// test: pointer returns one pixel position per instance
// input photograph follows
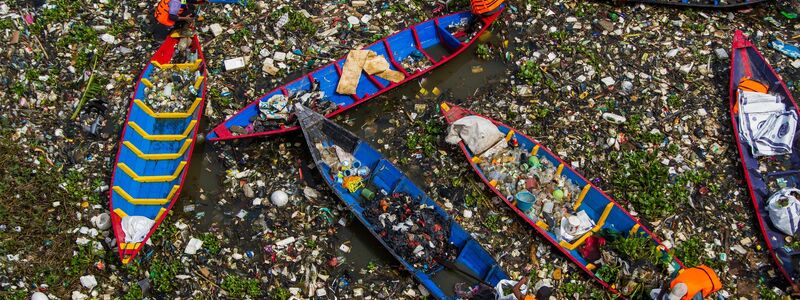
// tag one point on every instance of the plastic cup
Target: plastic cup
(574, 224)
(355, 164)
(525, 200)
(363, 171)
(548, 207)
(367, 194)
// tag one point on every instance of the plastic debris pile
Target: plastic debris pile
(516, 173)
(415, 62)
(276, 111)
(413, 230)
(173, 89)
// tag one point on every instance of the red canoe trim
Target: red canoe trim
(161, 57)
(487, 21)
(475, 167)
(741, 42)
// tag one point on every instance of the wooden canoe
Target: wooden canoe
(385, 177)
(603, 210)
(155, 148)
(395, 48)
(747, 61)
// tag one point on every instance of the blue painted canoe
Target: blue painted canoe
(746, 61)
(386, 177)
(701, 3)
(155, 148)
(603, 210)
(395, 48)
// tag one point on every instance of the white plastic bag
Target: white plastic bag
(136, 228)
(477, 133)
(785, 216)
(501, 295)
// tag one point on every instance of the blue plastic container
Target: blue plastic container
(525, 201)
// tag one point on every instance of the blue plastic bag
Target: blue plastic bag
(787, 49)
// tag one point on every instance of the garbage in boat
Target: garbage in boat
(412, 227)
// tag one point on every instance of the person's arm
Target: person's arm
(517, 293)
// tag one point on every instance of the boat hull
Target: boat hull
(385, 176)
(700, 4)
(602, 208)
(747, 61)
(394, 49)
(154, 152)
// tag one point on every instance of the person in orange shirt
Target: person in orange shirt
(486, 7)
(693, 284)
(172, 14)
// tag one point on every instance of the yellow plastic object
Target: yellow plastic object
(158, 156)
(161, 178)
(162, 137)
(444, 107)
(559, 170)
(509, 135)
(353, 183)
(146, 201)
(590, 266)
(493, 182)
(535, 149)
(126, 260)
(476, 160)
(436, 91)
(585, 191)
(170, 115)
(423, 91)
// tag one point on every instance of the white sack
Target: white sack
(785, 219)
(478, 134)
(136, 228)
(505, 282)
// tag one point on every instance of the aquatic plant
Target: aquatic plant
(238, 287)
(134, 293)
(211, 243)
(297, 21)
(690, 252)
(162, 274)
(483, 52)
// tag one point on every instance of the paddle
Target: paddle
(450, 265)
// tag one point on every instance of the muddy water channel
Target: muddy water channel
(215, 204)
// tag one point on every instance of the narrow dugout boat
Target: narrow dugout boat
(384, 179)
(157, 141)
(764, 175)
(701, 3)
(605, 214)
(431, 41)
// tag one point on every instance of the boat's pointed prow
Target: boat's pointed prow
(452, 112)
(740, 40)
